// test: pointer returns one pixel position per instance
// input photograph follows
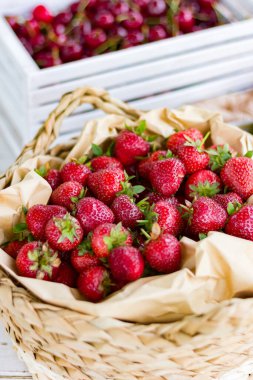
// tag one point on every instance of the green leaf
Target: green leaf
(141, 128)
(82, 160)
(202, 236)
(42, 171)
(151, 138)
(20, 227)
(169, 154)
(249, 154)
(96, 150)
(109, 150)
(138, 189)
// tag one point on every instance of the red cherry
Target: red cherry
(13, 22)
(119, 8)
(63, 18)
(134, 20)
(27, 45)
(104, 19)
(47, 59)
(156, 33)
(38, 42)
(72, 51)
(156, 7)
(141, 3)
(95, 38)
(185, 20)
(119, 31)
(41, 13)
(133, 38)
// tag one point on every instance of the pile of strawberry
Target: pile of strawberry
(118, 214)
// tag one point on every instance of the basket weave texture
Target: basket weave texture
(58, 344)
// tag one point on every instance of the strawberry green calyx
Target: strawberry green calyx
(233, 207)
(249, 154)
(140, 131)
(117, 237)
(80, 196)
(219, 156)
(205, 189)
(67, 226)
(44, 259)
(150, 217)
(128, 189)
(96, 150)
(106, 284)
(202, 236)
(198, 144)
(186, 211)
(85, 247)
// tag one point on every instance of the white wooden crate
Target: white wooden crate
(170, 72)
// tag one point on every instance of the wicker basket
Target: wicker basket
(58, 343)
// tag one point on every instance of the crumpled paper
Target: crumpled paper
(214, 269)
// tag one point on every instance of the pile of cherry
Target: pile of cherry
(91, 27)
(117, 214)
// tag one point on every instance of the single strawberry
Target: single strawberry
(91, 213)
(193, 155)
(225, 199)
(66, 275)
(126, 211)
(163, 254)
(64, 233)
(108, 236)
(106, 183)
(13, 247)
(67, 195)
(205, 215)
(94, 283)
(38, 260)
(38, 216)
(202, 183)
(219, 155)
(168, 218)
(237, 175)
(166, 176)
(83, 257)
(145, 164)
(129, 146)
(53, 177)
(240, 224)
(75, 171)
(105, 162)
(126, 264)
(178, 139)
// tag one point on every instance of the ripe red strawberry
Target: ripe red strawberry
(64, 233)
(83, 258)
(240, 224)
(166, 176)
(193, 157)
(144, 166)
(129, 146)
(202, 183)
(67, 195)
(108, 236)
(178, 139)
(38, 260)
(126, 211)
(106, 183)
(126, 264)
(91, 213)
(225, 199)
(53, 177)
(105, 162)
(168, 218)
(163, 254)
(13, 247)
(38, 216)
(94, 283)
(66, 275)
(75, 171)
(237, 175)
(206, 215)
